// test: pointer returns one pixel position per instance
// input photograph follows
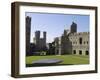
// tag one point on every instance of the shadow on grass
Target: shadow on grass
(39, 65)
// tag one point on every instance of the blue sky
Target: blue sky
(54, 24)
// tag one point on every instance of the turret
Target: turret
(73, 28)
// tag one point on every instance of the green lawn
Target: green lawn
(67, 59)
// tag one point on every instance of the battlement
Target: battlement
(79, 33)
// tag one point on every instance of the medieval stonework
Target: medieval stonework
(40, 43)
(72, 42)
(28, 32)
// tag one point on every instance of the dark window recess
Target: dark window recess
(74, 51)
(87, 52)
(87, 42)
(80, 40)
(80, 52)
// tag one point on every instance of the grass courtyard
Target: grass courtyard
(66, 59)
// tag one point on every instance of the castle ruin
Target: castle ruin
(70, 42)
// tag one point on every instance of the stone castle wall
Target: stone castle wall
(80, 43)
(72, 42)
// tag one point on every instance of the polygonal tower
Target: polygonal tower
(73, 28)
(28, 32)
(37, 38)
(44, 37)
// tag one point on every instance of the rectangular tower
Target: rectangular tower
(28, 32)
(44, 38)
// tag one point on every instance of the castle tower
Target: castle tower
(44, 37)
(73, 28)
(40, 42)
(28, 31)
(37, 37)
